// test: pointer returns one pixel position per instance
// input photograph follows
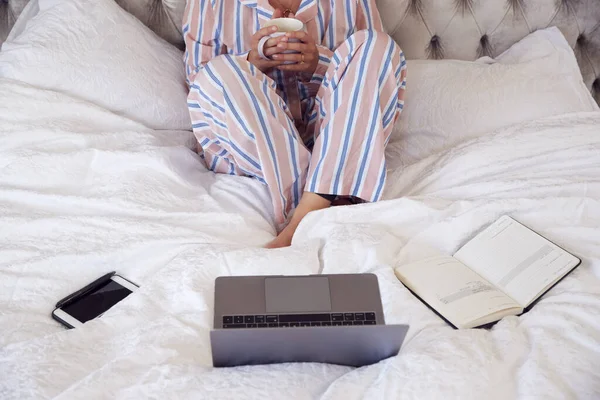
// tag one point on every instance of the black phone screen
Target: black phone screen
(97, 302)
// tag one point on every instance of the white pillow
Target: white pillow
(96, 51)
(449, 101)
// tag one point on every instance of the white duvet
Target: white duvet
(83, 192)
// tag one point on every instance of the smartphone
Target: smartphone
(93, 300)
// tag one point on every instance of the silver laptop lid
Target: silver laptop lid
(354, 346)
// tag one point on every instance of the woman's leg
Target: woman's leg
(357, 105)
(360, 99)
(245, 128)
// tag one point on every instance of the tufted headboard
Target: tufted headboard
(460, 29)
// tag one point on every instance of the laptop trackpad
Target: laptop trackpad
(297, 294)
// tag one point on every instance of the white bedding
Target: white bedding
(84, 191)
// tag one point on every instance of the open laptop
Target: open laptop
(336, 319)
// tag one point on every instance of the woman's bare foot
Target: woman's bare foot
(309, 202)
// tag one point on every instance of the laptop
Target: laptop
(335, 319)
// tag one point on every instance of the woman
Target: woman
(312, 129)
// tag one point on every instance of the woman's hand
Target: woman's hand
(306, 60)
(269, 49)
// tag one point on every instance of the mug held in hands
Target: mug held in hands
(283, 25)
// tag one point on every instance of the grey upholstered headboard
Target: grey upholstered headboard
(461, 29)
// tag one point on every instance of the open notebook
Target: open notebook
(499, 272)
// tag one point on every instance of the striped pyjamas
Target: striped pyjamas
(324, 133)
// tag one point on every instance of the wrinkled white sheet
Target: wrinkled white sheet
(84, 191)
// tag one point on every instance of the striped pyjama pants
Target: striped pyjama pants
(245, 128)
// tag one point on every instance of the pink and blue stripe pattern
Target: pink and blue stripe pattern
(324, 133)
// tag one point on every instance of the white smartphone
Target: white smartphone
(94, 301)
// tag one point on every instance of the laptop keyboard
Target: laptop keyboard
(298, 320)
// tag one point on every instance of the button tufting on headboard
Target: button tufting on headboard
(485, 47)
(460, 29)
(435, 50)
(468, 29)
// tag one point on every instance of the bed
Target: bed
(98, 173)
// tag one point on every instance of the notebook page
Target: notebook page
(517, 260)
(453, 290)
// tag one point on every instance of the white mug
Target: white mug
(283, 25)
